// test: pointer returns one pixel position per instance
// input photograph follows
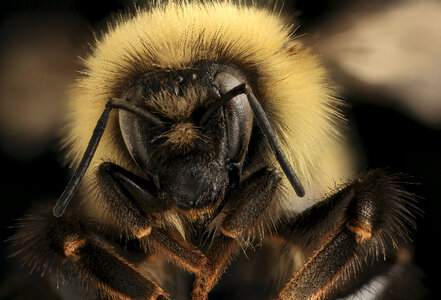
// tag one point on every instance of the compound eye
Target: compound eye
(136, 131)
(238, 117)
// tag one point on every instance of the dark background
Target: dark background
(32, 170)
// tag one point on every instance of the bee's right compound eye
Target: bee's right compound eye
(135, 130)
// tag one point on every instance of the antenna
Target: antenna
(74, 182)
(268, 132)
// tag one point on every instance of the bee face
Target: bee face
(194, 145)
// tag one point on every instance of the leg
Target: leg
(365, 219)
(237, 222)
(250, 202)
(220, 254)
(63, 247)
(128, 199)
(133, 205)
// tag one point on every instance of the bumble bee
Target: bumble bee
(199, 130)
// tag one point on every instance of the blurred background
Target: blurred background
(384, 55)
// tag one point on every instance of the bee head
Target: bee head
(188, 130)
(195, 142)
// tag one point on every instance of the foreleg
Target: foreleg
(135, 208)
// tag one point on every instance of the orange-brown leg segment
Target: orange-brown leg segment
(365, 220)
(323, 269)
(174, 249)
(251, 201)
(116, 277)
(220, 255)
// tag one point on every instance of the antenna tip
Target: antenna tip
(60, 206)
(300, 191)
(58, 210)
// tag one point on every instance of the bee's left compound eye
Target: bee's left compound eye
(238, 117)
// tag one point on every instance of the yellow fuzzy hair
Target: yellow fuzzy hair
(287, 79)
